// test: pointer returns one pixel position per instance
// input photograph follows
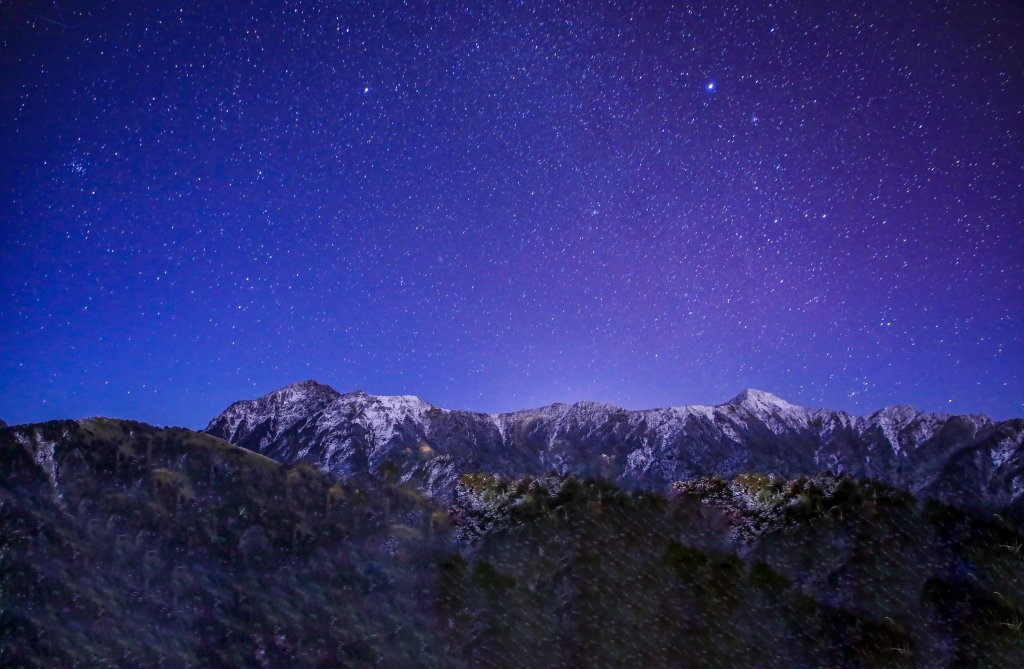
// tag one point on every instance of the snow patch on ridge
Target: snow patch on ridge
(43, 455)
(499, 423)
(1006, 448)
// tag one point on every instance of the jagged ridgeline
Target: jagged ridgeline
(128, 545)
(968, 461)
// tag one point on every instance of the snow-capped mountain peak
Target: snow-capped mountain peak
(357, 433)
(760, 400)
(276, 411)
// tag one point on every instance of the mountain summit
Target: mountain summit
(263, 420)
(759, 399)
(967, 460)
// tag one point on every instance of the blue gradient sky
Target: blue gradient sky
(501, 205)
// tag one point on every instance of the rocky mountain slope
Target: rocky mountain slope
(967, 460)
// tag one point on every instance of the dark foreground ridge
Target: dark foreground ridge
(126, 545)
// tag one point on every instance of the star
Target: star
(512, 164)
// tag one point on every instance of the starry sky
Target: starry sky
(500, 205)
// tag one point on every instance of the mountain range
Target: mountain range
(370, 531)
(969, 461)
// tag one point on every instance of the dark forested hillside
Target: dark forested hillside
(126, 545)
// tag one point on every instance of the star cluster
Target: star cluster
(499, 205)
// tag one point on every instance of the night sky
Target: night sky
(502, 205)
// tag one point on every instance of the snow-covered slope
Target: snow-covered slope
(260, 422)
(968, 460)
